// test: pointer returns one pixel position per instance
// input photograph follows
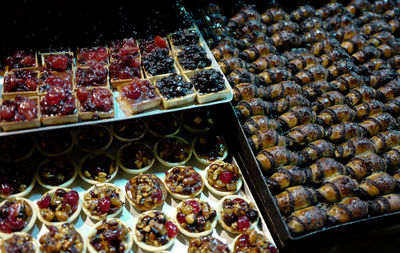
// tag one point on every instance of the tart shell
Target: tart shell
(50, 187)
(122, 139)
(207, 161)
(84, 249)
(157, 135)
(11, 95)
(90, 115)
(191, 129)
(59, 120)
(34, 242)
(181, 196)
(91, 181)
(35, 67)
(23, 193)
(168, 164)
(98, 150)
(217, 192)
(26, 156)
(133, 171)
(58, 154)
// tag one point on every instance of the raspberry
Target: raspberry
(171, 228)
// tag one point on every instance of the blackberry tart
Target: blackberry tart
(251, 241)
(158, 63)
(22, 59)
(64, 238)
(50, 79)
(207, 244)
(19, 242)
(135, 158)
(210, 85)
(192, 58)
(127, 46)
(17, 215)
(22, 82)
(15, 180)
(98, 168)
(20, 113)
(175, 90)
(163, 125)
(95, 138)
(128, 130)
(154, 231)
(16, 148)
(197, 121)
(55, 143)
(172, 151)
(183, 182)
(59, 61)
(91, 56)
(223, 178)
(58, 106)
(209, 147)
(56, 172)
(93, 76)
(95, 103)
(183, 38)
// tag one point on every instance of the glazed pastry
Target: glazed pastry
(267, 138)
(56, 172)
(390, 90)
(380, 77)
(301, 62)
(15, 181)
(346, 32)
(64, 238)
(197, 121)
(251, 241)
(337, 188)
(373, 65)
(347, 81)
(359, 95)
(328, 99)
(311, 74)
(370, 107)
(314, 35)
(172, 151)
(380, 38)
(287, 176)
(377, 184)
(286, 103)
(324, 46)
(273, 75)
(95, 138)
(365, 164)
(92, 56)
(329, 10)
(95, 103)
(349, 209)
(273, 15)
(18, 215)
(385, 204)
(183, 182)
(342, 67)
(230, 64)
(260, 122)
(378, 122)
(222, 178)
(306, 220)
(253, 107)
(257, 50)
(324, 169)
(246, 91)
(98, 168)
(19, 242)
(224, 51)
(318, 149)
(354, 146)
(297, 116)
(392, 158)
(240, 76)
(11, 148)
(207, 244)
(302, 12)
(336, 114)
(295, 198)
(354, 44)
(55, 143)
(333, 56)
(393, 106)
(387, 140)
(135, 158)
(266, 62)
(281, 90)
(209, 147)
(357, 7)
(163, 125)
(128, 130)
(285, 39)
(315, 89)
(270, 158)
(58, 206)
(341, 132)
(145, 192)
(283, 25)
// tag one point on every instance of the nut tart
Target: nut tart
(55, 143)
(110, 235)
(16, 148)
(98, 168)
(135, 157)
(252, 241)
(128, 130)
(22, 59)
(95, 103)
(120, 48)
(56, 172)
(50, 79)
(237, 214)
(103, 201)
(94, 138)
(145, 192)
(222, 178)
(63, 238)
(93, 76)
(15, 180)
(163, 125)
(20, 113)
(58, 61)
(144, 228)
(86, 57)
(207, 244)
(195, 218)
(183, 182)
(209, 147)
(19, 242)
(172, 151)
(17, 215)
(192, 58)
(183, 38)
(58, 206)
(58, 106)
(20, 82)
(197, 121)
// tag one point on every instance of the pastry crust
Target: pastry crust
(122, 139)
(169, 164)
(59, 120)
(215, 191)
(91, 181)
(11, 95)
(255, 243)
(91, 115)
(23, 193)
(182, 196)
(57, 154)
(207, 161)
(157, 135)
(22, 234)
(82, 239)
(191, 129)
(134, 171)
(50, 187)
(97, 150)
(57, 75)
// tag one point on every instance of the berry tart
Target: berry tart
(237, 214)
(58, 61)
(63, 238)
(19, 242)
(110, 235)
(251, 241)
(22, 59)
(172, 151)
(93, 76)
(195, 218)
(192, 58)
(223, 178)
(17, 215)
(91, 56)
(135, 158)
(55, 143)
(163, 125)
(175, 90)
(146, 192)
(22, 82)
(56, 172)
(58, 206)
(58, 106)
(154, 231)
(183, 38)
(20, 113)
(119, 49)
(49, 79)
(94, 138)
(209, 147)
(128, 130)
(207, 244)
(158, 63)
(124, 70)
(197, 121)
(98, 168)
(16, 148)
(183, 182)
(15, 181)
(137, 96)
(95, 103)
(103, 201)
(151, 45)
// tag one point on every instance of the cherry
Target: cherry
(239, 201)
(6, 189)
(28, 61)
(5, 228)
(171, 228)
(82, 94)
(8, 112)
(160, 42)
(28, 110)
(181, 217)
(195, 205)
(243, 223)
(243, 241)
(58, 62)
(44, 202)
(226, 176)
(53, 98)
(71, 198)
(15, 223)
(104, 204)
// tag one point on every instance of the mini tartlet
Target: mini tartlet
(17, 215)
(172, 151)
(58, 107)
(58, 61)
(209, 147)
(222, 178)
(86, 57)
(20, 241)
(163, 125)
(145, 192)
(95, 103)
(110, 235)
(207, 244)
(135, 157)
(58, 206)
(15, 181)
(144, 227)
(196, 121)
(251, 241)
(183, 182)
(16, 148)
(237, 214)
(95, 138)
(66, 236)
(55, 143)
(56, 172)
(98, 168)
(195, 218)
(128, 130)
(20, 113)
(20, 82)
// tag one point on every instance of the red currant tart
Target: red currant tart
(95, 103)
(19, 242)
(19, 113)
(128, 130)
(135, 158)
(17, 215)
(251, 241)
(172, 151)
(58, 206)
(64, 238)
(223, 178)
(92, 56)
(94, 138)
(237, 214)
(197, 121)
(209, 147)
(56, 172)
(16, 148)
(24, 82)
(58, 106)
(207, 244)
(55, 143)
(175, 90)
(154, 231)
(93, 76)
(163, 125)
(98, 168)
(184, 182)
(58, 61)
(146, 192)
(122, 48)
(22, 59)
(15, 181)
(50, 79)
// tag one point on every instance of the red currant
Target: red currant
(171, 228)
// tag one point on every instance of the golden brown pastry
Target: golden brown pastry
(375, 26)
(337, 188)
(364, 165)
(306, 220)
(357, 7)
(283, 25)
(273, 75)
(333, 56)
(315, 89)
(346, 82)
(253, 106)
(304, 134)
(373, 65)
(325, 169)
(285, 39)
(330, 10)
(341, 132)
(301, 62)
(286, 103)
(385, 204)
(287, 176)
(297, 116)
(378, 122)
(324, 46)
(224, 51)
(349, 209)
(386, 140)
(355, 146)
(392, 158)
(260, 122)
(359, 95)
(377, 184)
(266, 138)
(313, 23)
(328, 99)
(282, 89)
(390, 90)
(380, 38)
(247, 91)
(295, 198)
(342, 67)
(393, 106)
(318, 149)
(369, 107)
(336, 114)
(266, 62)
(311, 74)
(380, 77)
(256, 50)
(354, 44)
(273, 157)
(273, 15)
(230, 64)
(241, 76)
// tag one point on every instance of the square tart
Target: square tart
(177, 48)
(116, 81)
(17, 125)
(34, 67)
(105, 83)
(44, 57)
(93, 53)
(12, 94)
(57, 119)
(66, 76)
(129, 44)
(94, 115)
(188, 71)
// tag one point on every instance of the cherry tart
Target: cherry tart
(223, 178)
(110, 235)
(15, 180)
(127, 46)
(94, 138)
(63, 238)
(16, 148)
(137, 96)
(92, 56)
(154, 231)
(146, 192)
(55, 143)
(17, 215)
(197, 121)
(150, 45)
(175, 90)
(128, 130)
(184, 182)
(93, 76)
(135, 158)
(172, 151)
(195, 218)
(19, 242)
(59, 61)
(103, 201)
(58, 106)
(56, 172)
(95, 103)
(163, 125)
(207, 244)
(210, 85)
(24, 82)
(58, 206)
(22, 59)
(126, 68)
(98, 168)
(50, 79)
(19, 113)
(252, 241)
(184, 38)
(209, 147)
